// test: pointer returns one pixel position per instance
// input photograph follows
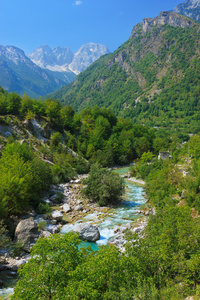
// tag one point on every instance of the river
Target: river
(108, 223)
(117, 217)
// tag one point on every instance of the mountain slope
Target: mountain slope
(19, 74)
(152, 78)
(189, 8)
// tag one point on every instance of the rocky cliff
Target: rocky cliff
(164, 18)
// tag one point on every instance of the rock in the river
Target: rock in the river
(27, 232)
(57, 215)
(88, 232)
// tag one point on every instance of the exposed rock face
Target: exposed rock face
(27, 232)
(88, 232)
(46, 131)
(169, 18)
(28, 125)
(189, 8)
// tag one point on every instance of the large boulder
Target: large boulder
(27, 232)
(88, 232)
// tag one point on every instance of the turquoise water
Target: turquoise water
(116, 218)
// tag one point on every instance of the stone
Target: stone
(53, 228)
(53, 222)
(27, 232)
(66, 208)
(57, 215)
(88, 232)
(78, 208)
(57, 198)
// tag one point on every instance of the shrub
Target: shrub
(103, 185)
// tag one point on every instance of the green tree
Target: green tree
(48, 271)
(103, 185)
(15, 184)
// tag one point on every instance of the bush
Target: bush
(103, 185)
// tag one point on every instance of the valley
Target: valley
(100, 164)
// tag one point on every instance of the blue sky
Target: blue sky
(28, 24)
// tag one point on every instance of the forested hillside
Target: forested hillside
(50, 141)
(153, 78)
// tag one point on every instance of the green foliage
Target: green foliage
(48, 271)
(103, 185)
(146, 157)
(170, 249)
(23, 178)
(15, 184)
(4, 238)
(44, 208)
(41, 225)
(18, 249)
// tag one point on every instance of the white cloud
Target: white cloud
(78, 2)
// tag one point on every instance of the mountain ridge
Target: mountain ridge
(63, 59)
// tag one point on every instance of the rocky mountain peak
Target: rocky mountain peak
(63, 59)
(86, 55)
(42, 56)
